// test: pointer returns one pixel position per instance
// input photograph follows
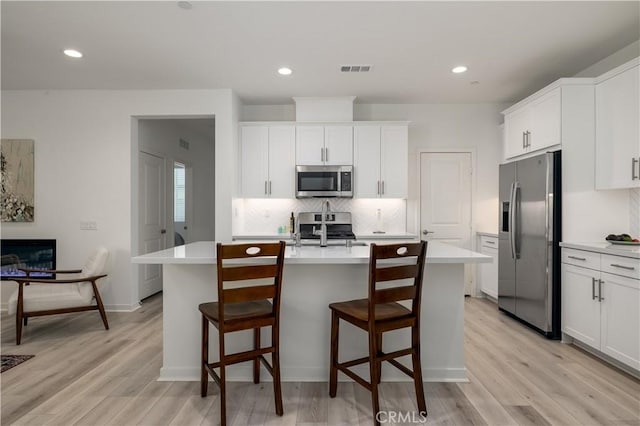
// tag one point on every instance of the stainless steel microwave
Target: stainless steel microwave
(324, 181)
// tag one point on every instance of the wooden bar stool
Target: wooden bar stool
(381, 312)
(245, 308)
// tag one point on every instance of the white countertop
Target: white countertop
(204, 252)
(371, 236)
(605, 247)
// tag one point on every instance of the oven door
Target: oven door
(317, 181)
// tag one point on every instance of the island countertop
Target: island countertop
(204, 252)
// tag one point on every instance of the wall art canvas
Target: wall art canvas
(17, 180)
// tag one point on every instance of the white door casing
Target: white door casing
(152, 219)
(445, 201)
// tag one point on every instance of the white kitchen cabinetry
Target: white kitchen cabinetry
(488, 272)
(324, 145)
(599, 308)
(380, 163)
(267, 161)
(617, 128)
(533, 124)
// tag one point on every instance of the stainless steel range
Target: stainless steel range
(338, 226)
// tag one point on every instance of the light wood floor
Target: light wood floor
(84, 375)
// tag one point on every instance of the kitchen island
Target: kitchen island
(313, 278)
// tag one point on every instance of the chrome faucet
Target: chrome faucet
(326, 208)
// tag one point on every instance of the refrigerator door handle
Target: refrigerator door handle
(512, 208)
(514, 221)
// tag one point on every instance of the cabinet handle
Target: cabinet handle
(593, 288)
(265, 187)
(378, 188)
(326, 154)
(490, 242)
(382, 187)
(322, 154)
(633, 169)
(600, 298)
(577, 258)
(528, 139)
(269, 187)
(523, 142)
(628, 268)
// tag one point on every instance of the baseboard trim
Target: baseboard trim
(302, 374)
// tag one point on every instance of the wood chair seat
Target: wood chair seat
(239, 311)
(358, 311)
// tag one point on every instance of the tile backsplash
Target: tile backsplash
(264, 216)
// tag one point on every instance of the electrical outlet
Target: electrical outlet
(88, 225)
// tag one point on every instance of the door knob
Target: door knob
(184, 227)
(163, 231)
(425, 232)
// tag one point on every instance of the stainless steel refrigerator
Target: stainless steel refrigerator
(529, 252)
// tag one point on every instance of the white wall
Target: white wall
(85, 141)
(161, 137)
(623, 55)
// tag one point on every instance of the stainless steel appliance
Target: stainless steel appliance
(529, 252)
(338, 225)
(324, 181)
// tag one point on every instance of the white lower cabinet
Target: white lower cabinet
(600, 309)
(488, 272)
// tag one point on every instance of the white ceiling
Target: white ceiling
(511, 48)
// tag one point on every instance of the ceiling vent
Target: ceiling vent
(355, 68)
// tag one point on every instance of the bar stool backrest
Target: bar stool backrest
(399, 262)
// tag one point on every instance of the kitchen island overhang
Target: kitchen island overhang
(313, 278)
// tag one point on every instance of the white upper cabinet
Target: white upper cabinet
(324, 145)
(380, 163)
(533, 125)
(267, 161)
(617, 123)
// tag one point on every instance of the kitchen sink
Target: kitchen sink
(335, 243)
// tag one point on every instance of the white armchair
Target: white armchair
(77, 292)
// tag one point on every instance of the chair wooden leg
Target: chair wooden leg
(19, 312)
(333, 371)
(204, 374)
(275, 359)
(223, 394)
(379, 351)
(417, 370)
(256, 361)
(103, 314)
(374, 373)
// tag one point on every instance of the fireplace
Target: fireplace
(33, 254)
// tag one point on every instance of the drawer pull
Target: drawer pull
(628, 268)
(577, 258)
(490, 242)
(593, 289)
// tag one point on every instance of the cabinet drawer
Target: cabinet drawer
(586, 259)
(488, 242)
(625, 266)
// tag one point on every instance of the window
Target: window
(179, 192)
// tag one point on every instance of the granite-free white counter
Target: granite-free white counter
(605, 248)
(313, 278)
(204, 252)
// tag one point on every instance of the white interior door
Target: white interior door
(152, 210)
(445, 200)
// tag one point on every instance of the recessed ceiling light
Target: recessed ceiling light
(185, 5)
(72, 53)
(285, 71)
(459, 69)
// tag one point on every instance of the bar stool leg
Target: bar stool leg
(256, 361)
(333, 371)
(275, 359)
(374, 373)
(379, 351)
(417, 370)
(204, 374)
(223, 379)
